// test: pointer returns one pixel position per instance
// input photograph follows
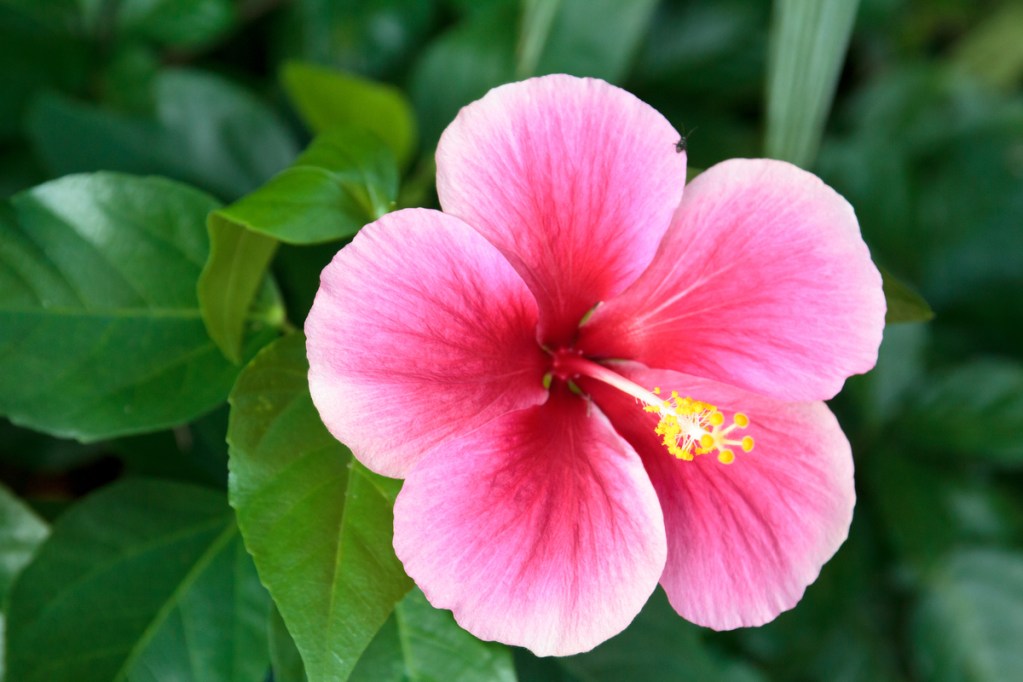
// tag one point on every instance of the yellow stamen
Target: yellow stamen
(689, 428)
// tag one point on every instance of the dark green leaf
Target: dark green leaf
(317, 522)
(904, 304)
(284, 657)
(230, 280)
(327, 98)
(205, 130)
(807, 48)
(974, 411)
(595, 38)
(929, 511)
(658, 645)
(34, 56)
(21, 533)
(99, 318)
(462, 65)
(143, 580)
(970, 622)
(422, 644)
(175, 23)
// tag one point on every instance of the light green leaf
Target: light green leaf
(970, 622)
(99, 319)
(422, 644)
(973, 411)
(904, 304)
(993, 51)
(317, 522)
(144, 580)
(807, 47)
(345, 179)
(205, 130)
(230, 280)
(327, 98)
(595, 38)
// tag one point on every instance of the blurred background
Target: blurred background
(919, 123)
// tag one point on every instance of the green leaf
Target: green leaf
(284, 657)
(597, 38)
(970, 622)
(317, 522)
(993, 51)
(807, 47)
(143, 580)
(230, 280)
(34, 56)
(327, 98)
(21, 533)
(99, 319)
(422, 644)
(657, 645)
(175, 23)
(974, 411)
(344, 179)
(205, 130)
(929, 510)
(904, 304)
(462, 65)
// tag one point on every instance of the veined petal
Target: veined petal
(744, 539)
(762, 281)
(540, 529)
(420, 330)
(573, 179)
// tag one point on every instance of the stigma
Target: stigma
(689, 428)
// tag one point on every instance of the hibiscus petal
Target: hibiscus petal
(540, 529)
(762, 281)
(573, 179)
(420, 329)
(744, 539)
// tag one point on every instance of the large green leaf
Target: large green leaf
(145, 580)
(657, 645)
(205, 130)
(974, 411)
(317, 522)
(462, 65)
(176, 23)
(99, 320)
(345, 179)
(422, 644)
(807, 48)
(595, 38)
(969, 625)
(327, 98)
(21, 532)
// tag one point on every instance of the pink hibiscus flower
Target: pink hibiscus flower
(592, 383)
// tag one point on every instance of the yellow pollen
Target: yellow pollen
(689, 428)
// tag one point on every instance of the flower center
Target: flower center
(688, 428)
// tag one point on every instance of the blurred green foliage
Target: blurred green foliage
(924, 137)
